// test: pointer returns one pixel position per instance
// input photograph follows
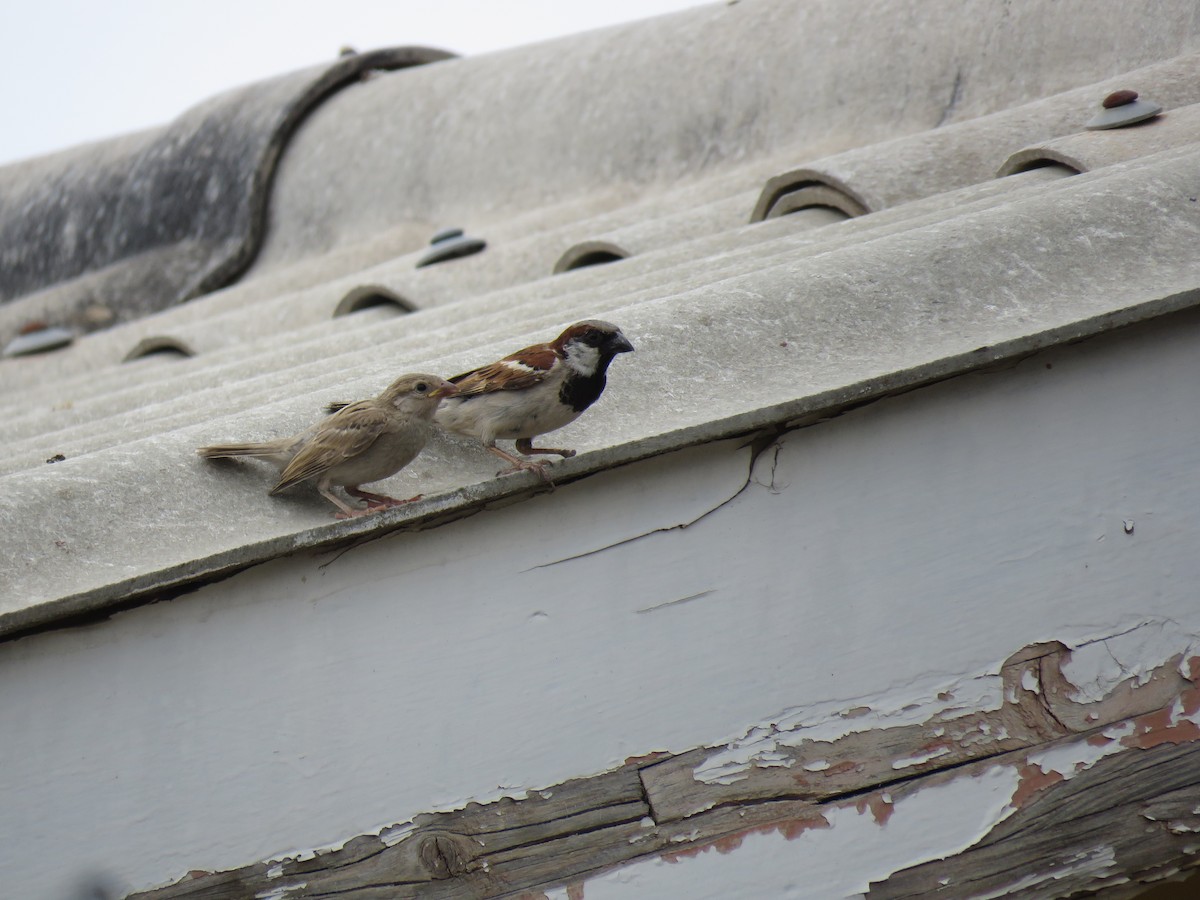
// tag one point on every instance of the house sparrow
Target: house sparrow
(533, 391)
(365, 441)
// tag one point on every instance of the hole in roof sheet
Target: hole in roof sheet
(590, 253)
(802, 189)
(372, 295)
(1042, 158)
(161, 347)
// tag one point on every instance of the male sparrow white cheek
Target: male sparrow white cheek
(363, 442)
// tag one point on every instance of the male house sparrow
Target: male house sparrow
(365, 441)
(533, 391)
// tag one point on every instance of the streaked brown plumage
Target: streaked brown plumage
(536, 390)
(363, 442)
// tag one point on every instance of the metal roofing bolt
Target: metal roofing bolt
(1122, 108)
(1119, 98)
(450, 243)
(1127, 524)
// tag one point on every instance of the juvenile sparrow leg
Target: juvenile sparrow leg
(347, 511)
(378, 501)
(525, 445)
(522, 465)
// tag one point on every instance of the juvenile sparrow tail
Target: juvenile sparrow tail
(276, 451)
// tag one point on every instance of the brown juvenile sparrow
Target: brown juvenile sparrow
(365, 441)
(533, 391)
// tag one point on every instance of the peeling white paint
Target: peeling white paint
(1178, 714)
(281, 892)
(393, 835)
(1094, 862)
(760, 746)
(932, 823)
(1079, 755)
(298, 855)
(1030, 681)
(1096, 666)
(919, 758)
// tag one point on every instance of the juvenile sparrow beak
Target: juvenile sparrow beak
(446, 390)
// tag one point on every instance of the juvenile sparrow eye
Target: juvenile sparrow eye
(422, 387)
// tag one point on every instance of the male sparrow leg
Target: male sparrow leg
(525, 445)
(521, 465)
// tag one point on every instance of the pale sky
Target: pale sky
(73, 71)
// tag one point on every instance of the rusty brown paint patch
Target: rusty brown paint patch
(881, 809)
(790, 829)
(1032, 781)
(1160, 727)
(575, 891)
(930, 748)
(1099, 740)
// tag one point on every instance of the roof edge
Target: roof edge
(86, 607)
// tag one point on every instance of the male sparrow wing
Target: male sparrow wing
(515, 372)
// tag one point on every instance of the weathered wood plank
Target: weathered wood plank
(464, 853)
(1105, 789)
(777, 760)
(1081, 835)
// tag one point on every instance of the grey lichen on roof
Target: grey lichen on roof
(655, 141)
(141, 223)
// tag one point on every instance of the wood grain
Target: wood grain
(1122, 810)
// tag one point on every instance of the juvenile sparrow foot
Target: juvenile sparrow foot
(379, 501)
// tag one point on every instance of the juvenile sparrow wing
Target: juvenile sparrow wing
(347, 434)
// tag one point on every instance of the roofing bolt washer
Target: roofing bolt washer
(39, 340)
(450, 243)
(1122, 108)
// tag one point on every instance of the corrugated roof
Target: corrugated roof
(664, 142)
